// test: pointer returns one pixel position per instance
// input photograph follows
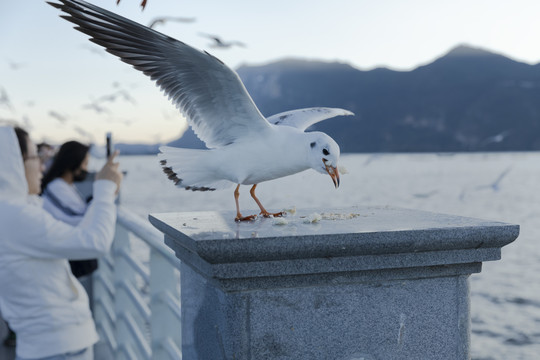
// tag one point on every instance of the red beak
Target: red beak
(334, 174)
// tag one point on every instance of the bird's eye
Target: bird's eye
(312, 144)
(325, 152)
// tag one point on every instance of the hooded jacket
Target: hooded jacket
(39, 297)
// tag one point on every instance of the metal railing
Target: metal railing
(137, 302)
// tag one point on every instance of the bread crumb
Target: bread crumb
(334, 216)
(313, 218)
(291, 210)
(280, 221)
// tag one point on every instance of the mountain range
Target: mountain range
(469, 99)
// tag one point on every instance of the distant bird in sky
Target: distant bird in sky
(96, 107)
(245, 147)
(83, 133)
(4, 99)
(16, 65)
(93, 49)
(122, 94)
(164, 19)
(495, 185)
(56, 115)
(219, 43)
(496, 138)
(143, 3)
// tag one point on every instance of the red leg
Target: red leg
(263, 210)
(239, 216)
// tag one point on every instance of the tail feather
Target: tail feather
(190, 169)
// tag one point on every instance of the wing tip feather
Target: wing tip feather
(173, 176)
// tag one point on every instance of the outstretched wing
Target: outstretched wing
(207, 92)
(304, 118)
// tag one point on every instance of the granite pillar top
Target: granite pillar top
(318, 233)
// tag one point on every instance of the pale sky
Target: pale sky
(51, 72)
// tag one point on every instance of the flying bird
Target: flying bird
(143, 3)
(84, 133)
(93, 49)
(56, 115)
(16, 65)
(496, 185)
(96, 107)
(163, 19)
(496, 139)
(119, 94)
(4, 99)
(219, 43)
(245, 148)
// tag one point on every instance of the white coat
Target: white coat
(39, 297)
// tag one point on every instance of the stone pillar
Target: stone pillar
(373, 283)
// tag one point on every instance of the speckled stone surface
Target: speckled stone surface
(355, 283)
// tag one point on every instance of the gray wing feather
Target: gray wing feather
(304, 118)
(207, 92)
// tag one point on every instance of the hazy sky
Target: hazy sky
(51, 73)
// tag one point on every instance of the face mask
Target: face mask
(81, 176)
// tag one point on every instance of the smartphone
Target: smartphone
(109, 145)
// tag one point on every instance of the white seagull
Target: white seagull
(164, 19)
(245, 148)
(218, 43)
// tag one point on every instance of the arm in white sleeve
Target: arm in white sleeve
(40, 235)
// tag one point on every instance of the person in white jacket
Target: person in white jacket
(63, 200)
(39, 297)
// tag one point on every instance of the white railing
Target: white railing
(136, 303)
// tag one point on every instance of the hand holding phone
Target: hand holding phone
(110, 171)
(109, 144)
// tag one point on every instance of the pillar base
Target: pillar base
(361, 283)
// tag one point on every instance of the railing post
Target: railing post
(361, 283)
(123, 278)
(103, 302)
(165, 323)
(134, 323)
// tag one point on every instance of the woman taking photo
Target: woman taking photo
(64, 202)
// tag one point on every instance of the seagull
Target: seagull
(143, 3)
(16, 65)
(93, 49)
(244, 147)
(219, 43)
(123, 94)
(84, 133)
(496, 185)
(96, 107)
(163, 19)
(4, 99)
(56, 115)
(496, 138)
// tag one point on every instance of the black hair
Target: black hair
(22, 137)
(69, 158)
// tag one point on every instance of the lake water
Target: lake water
(505, 296)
